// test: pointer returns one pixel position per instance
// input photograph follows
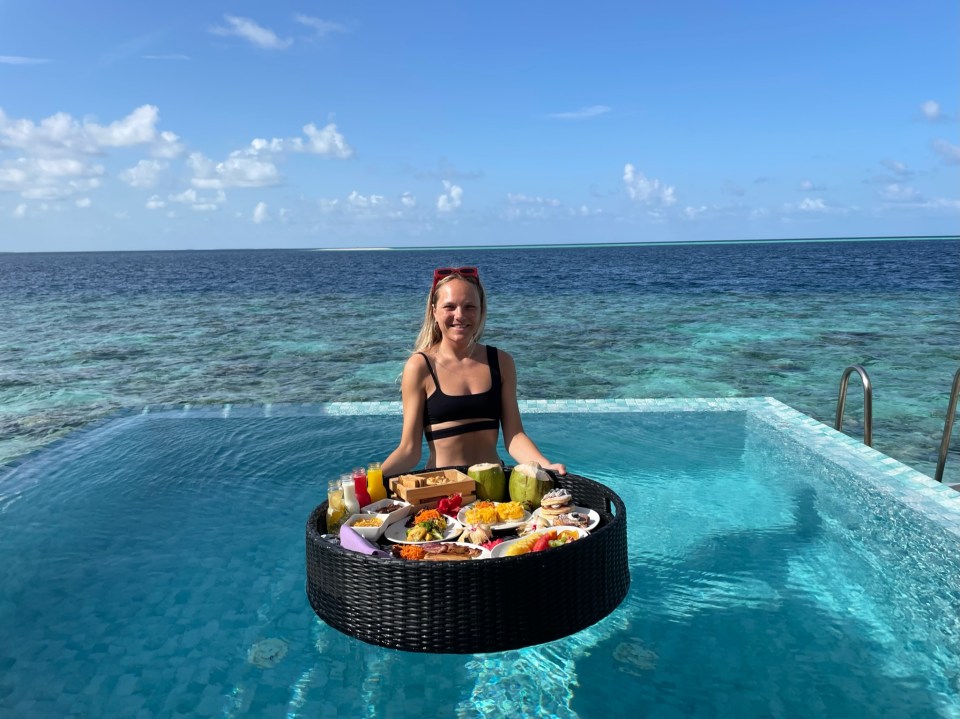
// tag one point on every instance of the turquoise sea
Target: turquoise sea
(85, 334)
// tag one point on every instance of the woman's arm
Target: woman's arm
(407, 454)
(518, 444)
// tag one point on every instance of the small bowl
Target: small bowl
(371, 533)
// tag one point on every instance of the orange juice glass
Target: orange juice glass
(375, 486)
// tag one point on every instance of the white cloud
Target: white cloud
(61, 167)
(896, 192)
(13, 178)
(810, 186)
(897, 168)
(814, 206)
(451, 199)
(253, 165)
(155, 203)
(948, 151)
(137, 128)
(320, 27)
(408, 200)
(187, 196)
(520, 206)
(20, 211)
(18, 60)
(520, 199)
(359, 202)
(260, 146)
(168, 145)
(61, 134)
(944, 204)
(326, 141)
(245, 172)
(260, 213)
(196, 202)
(584, 211)
(645, 190)
(144, 174)
(44, 178)
(235, 171)
(931, 110)
(83, 202)
(248, 30)
(583, 113)
(692, 213)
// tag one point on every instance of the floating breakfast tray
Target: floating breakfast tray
(469, 607)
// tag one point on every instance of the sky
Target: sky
(196, 125)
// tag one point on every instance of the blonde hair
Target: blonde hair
(430, 335)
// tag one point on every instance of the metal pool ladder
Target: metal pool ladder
(867, 401)
(948, 426)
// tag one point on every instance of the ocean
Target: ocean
(83, 335)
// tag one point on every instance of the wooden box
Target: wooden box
(426, 487)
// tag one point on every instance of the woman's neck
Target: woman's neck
(455, 351)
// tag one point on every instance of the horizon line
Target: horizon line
(532, 246)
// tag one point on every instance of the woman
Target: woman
(458, 392)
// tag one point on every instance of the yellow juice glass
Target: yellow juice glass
(375, 487)
(336, 511)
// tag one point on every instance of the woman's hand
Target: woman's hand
(556, 467)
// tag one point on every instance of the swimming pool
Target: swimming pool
(153, 566)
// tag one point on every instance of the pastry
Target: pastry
(572, 519)
(556, 502)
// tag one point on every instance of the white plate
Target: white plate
(390, 517)
(484, 553)
(461, 517)
(397, 532)
(594, 517)
(499, 550)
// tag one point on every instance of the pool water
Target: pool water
(154, 566)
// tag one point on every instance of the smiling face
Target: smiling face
(458, 311)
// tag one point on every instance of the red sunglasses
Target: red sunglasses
(441, 272)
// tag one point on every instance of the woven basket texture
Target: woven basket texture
(480, 606)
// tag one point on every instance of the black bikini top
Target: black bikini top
(441, 407)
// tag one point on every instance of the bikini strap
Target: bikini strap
(433, 374)
(493, 359)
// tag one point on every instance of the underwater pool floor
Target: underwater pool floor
(154, 566)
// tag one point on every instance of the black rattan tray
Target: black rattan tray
(480, 606)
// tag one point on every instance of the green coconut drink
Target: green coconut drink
(528, 483)
(491, 481)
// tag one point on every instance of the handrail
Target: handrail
(948, 426)
(867, 402)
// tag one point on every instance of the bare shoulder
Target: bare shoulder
(416, 366)
(507, 365)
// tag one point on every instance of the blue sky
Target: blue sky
(297, 124)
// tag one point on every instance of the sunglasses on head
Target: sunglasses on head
(441, 272)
